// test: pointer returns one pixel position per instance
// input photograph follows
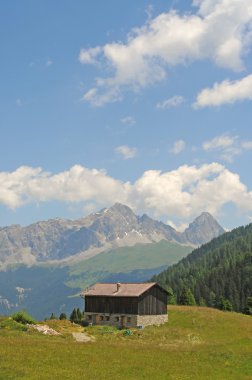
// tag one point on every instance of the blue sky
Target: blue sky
(145, 103)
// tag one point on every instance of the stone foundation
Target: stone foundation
(125, 320)
(147, 320)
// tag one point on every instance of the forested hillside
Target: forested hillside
(219, 274)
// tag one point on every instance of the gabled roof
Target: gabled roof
(118, 289)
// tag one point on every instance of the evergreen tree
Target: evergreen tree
(171, 296)
(79, 315)
(202, 302)
(74, 316)
(187, 297)
(220, 268)
(62, 316)
(248, 308)
(224, 304)
(212, 299)
(53, 316)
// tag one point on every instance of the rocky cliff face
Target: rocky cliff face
(118, 226)
(203, 229)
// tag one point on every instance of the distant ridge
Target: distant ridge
(62, 240)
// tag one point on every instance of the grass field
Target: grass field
(197, 343)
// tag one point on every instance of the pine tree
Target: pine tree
(202, 302)
(79, 315)
(62, 316)
(171, 296)
(224, 304)
(53, 316)
(73, 316)
(187, 297)
(248, 308)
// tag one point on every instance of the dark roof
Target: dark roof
(118, 289)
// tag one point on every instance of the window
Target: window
(101, 318)
(107, 317)
(128, 319)
(117, 319)
(89, 317)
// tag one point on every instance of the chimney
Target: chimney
(118, 285)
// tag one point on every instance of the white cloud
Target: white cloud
(220, 30)
(184, 192)
(28, 184)
(171, 102)
(226, 92)
(89, 55)
(247, 145)
(178, 147)
(129, 120)
(178, 227)
(219, 142)
(227, 146)
(126, 152)
(111, 96)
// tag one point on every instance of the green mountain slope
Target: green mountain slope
(129, 264)
(44, 289)
(221, 268)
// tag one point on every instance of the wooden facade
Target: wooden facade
(153, 301)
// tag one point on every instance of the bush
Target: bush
(23, 317)
(84, 323)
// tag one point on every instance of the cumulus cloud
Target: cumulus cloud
(219, 30)
(178, 147)
(126, 152)
(184, 192)
(171, 102)
(226, 92)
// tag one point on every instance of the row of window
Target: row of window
(107, 318)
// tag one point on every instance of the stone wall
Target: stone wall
(126, 320)
(147, 320)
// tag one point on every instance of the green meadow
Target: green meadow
(196, 343)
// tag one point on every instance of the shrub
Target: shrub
(84, 323)
(23, 317)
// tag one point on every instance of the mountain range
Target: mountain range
(44, 266)
(68, 241)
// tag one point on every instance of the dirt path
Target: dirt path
(82, 337)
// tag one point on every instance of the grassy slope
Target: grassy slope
(141, 257)
(197, 343)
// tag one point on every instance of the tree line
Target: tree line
(76, 316)
(218, 274)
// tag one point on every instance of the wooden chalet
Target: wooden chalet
(126, 304)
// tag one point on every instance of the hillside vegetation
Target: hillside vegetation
(127, 264)
(44, 289)
(197, 343)
(221, 269)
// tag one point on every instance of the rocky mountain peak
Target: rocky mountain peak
(59, 239)
(119, 208)
(203, 229)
